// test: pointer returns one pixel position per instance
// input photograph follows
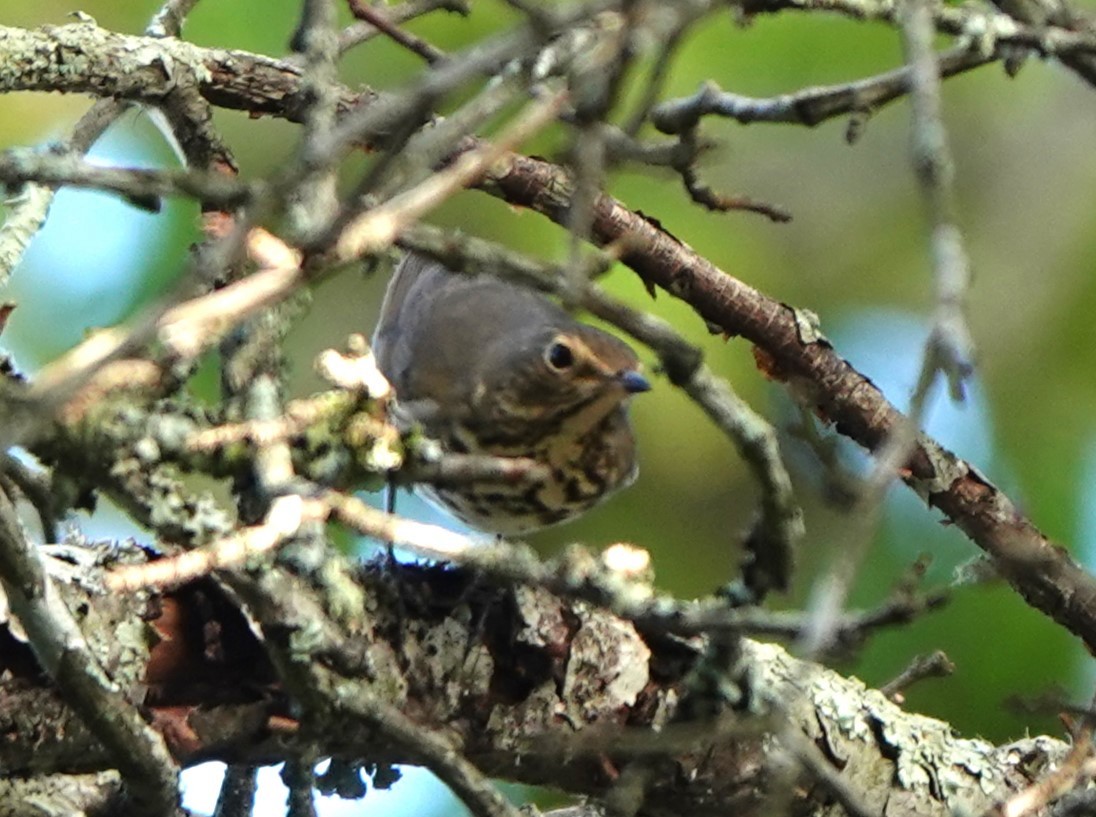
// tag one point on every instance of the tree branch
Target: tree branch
(539, 689)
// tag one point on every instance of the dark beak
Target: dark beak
(633, 382)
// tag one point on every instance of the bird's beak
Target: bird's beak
(633, 382)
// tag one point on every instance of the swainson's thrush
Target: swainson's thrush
(487, 367)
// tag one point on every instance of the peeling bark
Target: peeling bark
(533, 688)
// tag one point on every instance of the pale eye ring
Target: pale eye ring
(559, 356)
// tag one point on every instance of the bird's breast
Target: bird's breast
(584, 468)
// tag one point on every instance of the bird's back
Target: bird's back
(436, 325)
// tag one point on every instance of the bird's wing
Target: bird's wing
(440, 331)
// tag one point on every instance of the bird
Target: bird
(485, 366)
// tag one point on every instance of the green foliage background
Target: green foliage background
(1027, 194)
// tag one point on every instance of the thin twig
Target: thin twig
(414, 152)
(314, 200)
(810, 106)
(430, 541)
(950, 348)
(980, 31)
(140, 186)
(376, 229)
(664, 60)
(283, 520)
(398, 14)
(186, 329)
(380, 21)
(934, 665)
(168, 21)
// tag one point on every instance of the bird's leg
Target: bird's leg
(390, 490)
(392, 567)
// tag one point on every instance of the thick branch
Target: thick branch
(533, 688)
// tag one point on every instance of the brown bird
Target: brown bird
(487, 367)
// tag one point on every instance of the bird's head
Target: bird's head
(558, 372)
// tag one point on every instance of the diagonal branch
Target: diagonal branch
(792, 350)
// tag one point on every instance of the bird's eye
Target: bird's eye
(559, 356)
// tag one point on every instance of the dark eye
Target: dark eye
(559, 356)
